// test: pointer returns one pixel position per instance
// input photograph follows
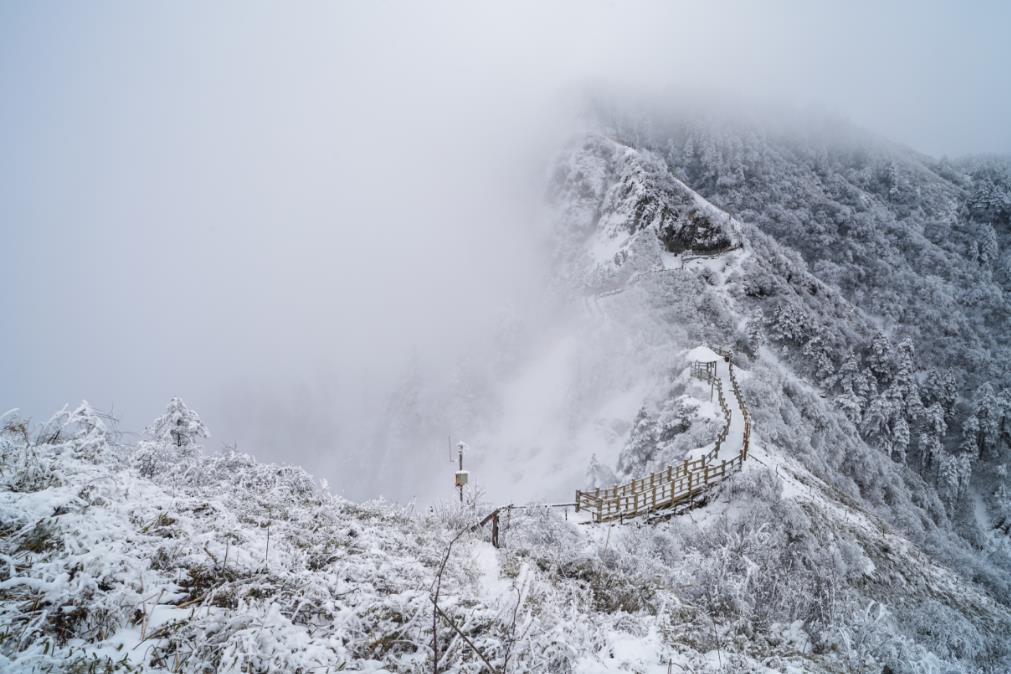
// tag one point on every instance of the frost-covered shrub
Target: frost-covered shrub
(539, 529)
(663, 432)
(32, 472)
(254, 566)
(89, 437)
(29, 472)
(759, 485)
(948, 632)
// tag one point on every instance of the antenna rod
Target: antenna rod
(460, 447)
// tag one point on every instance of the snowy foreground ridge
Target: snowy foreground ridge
(159, 558)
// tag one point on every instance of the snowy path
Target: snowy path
(684, 484)
(734, 443)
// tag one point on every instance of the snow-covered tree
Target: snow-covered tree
(932, 437)
(905, 380)
(791, 324)
(1001, 494)
(599, 475)
(179, 426)
(939, 386)
(174, 438)
(880, 358)
(819, 355)
(900, 439)
(990, 201)
(955, 474)
(855, 385)
(988, 412)
(970, 443)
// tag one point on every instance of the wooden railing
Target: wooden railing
(745, 412)
(679, 484)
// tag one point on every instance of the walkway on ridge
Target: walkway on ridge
(682, 486)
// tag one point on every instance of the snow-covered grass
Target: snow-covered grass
(220, 563)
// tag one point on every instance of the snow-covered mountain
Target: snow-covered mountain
(632, 210)
(863, 291)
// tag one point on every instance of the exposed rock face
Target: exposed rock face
(627, 211)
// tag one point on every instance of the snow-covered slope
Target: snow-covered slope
(623, 223)
(622, 208)
(863, 535)
(220, 563)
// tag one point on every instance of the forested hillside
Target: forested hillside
(920, 250)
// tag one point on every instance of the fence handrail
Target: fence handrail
(674, 485)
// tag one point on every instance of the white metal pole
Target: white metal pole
(460, 448)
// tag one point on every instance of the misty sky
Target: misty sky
(269, 209)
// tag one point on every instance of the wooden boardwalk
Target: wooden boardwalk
(684, 484)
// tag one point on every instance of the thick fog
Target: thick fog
(282, 212)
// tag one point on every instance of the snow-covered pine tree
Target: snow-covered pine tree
(987, 412)
(599, 475)
(820, 357)
(174, 438)
(932, 437)
(179, 426)
(900, 439)
(880, 359)
(855, 387)
(940, 387)
(789, 324)
(970, 443)
(905, 380)
(955, 473)
(884, 423)
(990, 201)
(1001, 494)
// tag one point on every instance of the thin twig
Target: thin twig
(464, 637)
(436, 587)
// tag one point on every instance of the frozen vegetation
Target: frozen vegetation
(221, 563)
(863, 289)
